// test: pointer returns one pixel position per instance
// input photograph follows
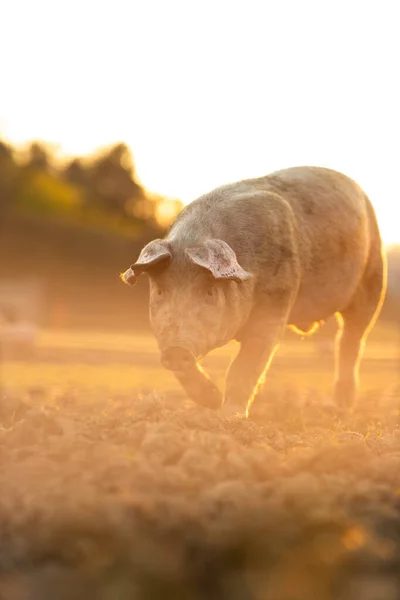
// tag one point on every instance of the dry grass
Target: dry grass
(111, 491)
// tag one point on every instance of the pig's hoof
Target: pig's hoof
(210, 397)
(344, 395)
(229, 410)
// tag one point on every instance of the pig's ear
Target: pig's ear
(218, 257)
(153, 254)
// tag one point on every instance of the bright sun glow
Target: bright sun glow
(211, 92)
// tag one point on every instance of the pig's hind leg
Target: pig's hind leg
(356, 321)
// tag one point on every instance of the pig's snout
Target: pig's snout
(129, 277)
(176, 358)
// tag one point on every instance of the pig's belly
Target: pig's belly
(321, 297)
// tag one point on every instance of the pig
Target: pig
(247, 260)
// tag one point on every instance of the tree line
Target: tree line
(101, 191)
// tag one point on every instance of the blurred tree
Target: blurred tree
(113, 181)
(6, 153)
(8, 176)
(37, 157)
(75, 173)
(87, 216)
(101, 192)
(45, 192)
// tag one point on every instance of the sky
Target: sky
(209, 92)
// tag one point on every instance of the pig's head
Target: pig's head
(199, 297)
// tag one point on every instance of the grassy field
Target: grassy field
(119, 362)
(114, 486)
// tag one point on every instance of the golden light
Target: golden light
(200, 114)
(167, 210)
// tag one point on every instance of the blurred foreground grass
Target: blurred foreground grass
(109, 494)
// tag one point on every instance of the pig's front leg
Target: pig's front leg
(246, 374)
(199, 387)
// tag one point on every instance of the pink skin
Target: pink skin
(194, 309)
(247, 259)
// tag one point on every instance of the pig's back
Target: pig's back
(319, 195)
(333, 219)
(335, 226)
(329, 209)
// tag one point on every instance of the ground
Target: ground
(114, 486)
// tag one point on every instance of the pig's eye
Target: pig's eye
(211, 293)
